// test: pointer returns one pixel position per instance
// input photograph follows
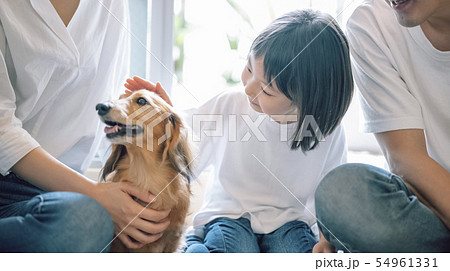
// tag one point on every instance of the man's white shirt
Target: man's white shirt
(404, 81)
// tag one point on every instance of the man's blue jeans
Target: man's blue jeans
(226, 235)
(32, 220)
(361, 208)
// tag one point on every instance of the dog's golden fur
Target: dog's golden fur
(162, 169)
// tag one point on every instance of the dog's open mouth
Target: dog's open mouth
(114, 129)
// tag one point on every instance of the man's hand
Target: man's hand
(137, 83)
(323, 246)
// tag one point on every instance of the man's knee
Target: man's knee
(345, 192)
(347, 198)
(345, 184)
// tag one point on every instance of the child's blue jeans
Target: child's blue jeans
(228, 235)
(32, 220)
(361, 208)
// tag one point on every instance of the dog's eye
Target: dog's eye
(141, 101)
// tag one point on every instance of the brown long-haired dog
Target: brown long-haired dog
(150, 150)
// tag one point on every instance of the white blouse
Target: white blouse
(52, 76)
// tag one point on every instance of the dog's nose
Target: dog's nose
(102, 109)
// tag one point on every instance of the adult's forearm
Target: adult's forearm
(42, 170)
(431, 183)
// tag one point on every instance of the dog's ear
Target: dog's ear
(177, 150)
(118, 151)
(175, 128)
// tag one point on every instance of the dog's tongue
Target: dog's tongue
(112, 129)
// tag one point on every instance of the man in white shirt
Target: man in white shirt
(401, 59)
(58, 59)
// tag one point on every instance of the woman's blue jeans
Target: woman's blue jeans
(32, 220)
(361, 208)
(226, 235)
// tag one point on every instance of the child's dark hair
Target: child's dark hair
(306, 54)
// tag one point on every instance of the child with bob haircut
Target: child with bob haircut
(260, 196)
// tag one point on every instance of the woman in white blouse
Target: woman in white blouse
(58, 59)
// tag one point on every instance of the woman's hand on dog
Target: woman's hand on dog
(137, 83)
(134, 225)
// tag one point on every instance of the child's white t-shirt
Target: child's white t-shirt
(403, 79)
(255, 173)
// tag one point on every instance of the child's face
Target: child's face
(264, 98)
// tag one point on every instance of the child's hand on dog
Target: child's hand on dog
(134, 225)
(137, 83)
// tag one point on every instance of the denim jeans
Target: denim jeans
(226, 235)
(32, 220)
(361, 208)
